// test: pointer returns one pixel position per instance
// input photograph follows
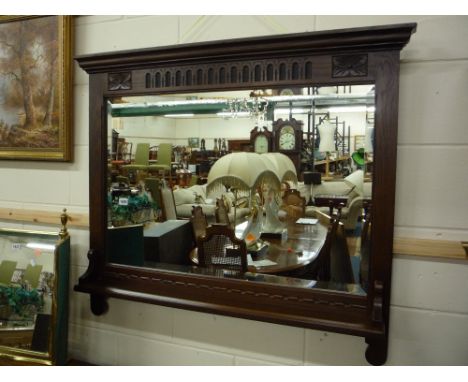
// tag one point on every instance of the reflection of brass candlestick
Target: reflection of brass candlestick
(64, 219)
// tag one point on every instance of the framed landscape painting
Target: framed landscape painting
(35, 88)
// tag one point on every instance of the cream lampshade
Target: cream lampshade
(356, 181)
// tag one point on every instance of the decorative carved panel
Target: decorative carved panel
(349, 66)
(120, 81)
(231, 73)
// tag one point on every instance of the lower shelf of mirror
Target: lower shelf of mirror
(331, 318)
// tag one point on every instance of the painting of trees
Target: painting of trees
(30, 85)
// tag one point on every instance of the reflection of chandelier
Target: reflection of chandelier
(245, 107)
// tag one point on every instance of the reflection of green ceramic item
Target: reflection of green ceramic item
(23, 302)
(359, 157)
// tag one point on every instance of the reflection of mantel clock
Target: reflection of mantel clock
(261, 140)
(288, 139)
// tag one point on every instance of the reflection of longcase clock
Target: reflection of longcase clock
(261, 140)
(288, 139)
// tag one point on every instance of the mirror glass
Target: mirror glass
(27, 277)
(168, 153)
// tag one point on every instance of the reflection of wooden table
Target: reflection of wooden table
(331, 201)
(301, 248)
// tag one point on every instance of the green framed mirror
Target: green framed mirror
(34, 280)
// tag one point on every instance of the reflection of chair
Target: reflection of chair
(32, 275)
(164, 160)
(141, 161)
(293, 204)
(333, 262)
(153, 185)
(124, 150)
(199, 223)
(221, 249)
(167, 203)
(125, 245)
(7, 268)
(221, 213)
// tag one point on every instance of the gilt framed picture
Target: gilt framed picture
(194, 143)
(36, 88)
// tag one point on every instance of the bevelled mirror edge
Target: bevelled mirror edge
(122, 73)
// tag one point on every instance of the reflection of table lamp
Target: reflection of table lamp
(327, 142)
(356, 181)
(242, 171)
(285, 170)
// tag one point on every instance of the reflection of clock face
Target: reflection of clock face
(287, 138)
(261, 144)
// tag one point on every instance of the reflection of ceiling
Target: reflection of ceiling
(222, 102)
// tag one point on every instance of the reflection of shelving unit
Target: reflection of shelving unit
(323, 166)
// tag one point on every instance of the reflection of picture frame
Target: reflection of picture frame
(35, 87)
(359, 142)
(194, 142)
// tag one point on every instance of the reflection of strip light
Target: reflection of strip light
(187, 115)
(293, 111)
(49, 247)
(241, 114)
(351, 109)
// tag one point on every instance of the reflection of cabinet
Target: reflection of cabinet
(34, 272)
(239, 145)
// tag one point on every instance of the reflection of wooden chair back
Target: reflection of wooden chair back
(321, 268)
(333, 262)
(220, 248)
(32, 275)
(153, 185)
(199, 222)
(221, 214)
(341, 269)
(294, 204)
(124, 150)
(168, 206)
(7, 268)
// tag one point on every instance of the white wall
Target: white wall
(429, 308)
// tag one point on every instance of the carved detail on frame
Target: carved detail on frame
(120, 81)
(377, 303)
(230, 73)
(214, 288)
(354, 65)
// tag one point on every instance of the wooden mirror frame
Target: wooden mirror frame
(337, 57)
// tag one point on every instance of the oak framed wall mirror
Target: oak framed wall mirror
(159, 114)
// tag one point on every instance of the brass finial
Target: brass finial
(64, 219)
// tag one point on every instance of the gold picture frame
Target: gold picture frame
(36, 88)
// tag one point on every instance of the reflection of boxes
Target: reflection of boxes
(169, 242)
